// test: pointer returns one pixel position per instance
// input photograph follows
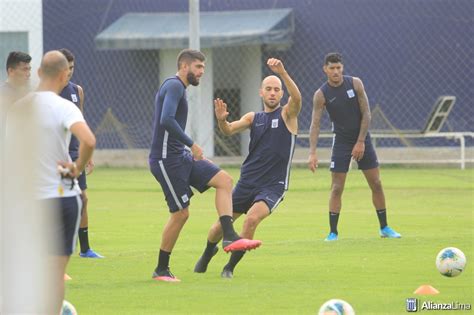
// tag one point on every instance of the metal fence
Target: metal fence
(406, 52)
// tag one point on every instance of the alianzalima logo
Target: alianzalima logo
(413, 305)
(452, 306)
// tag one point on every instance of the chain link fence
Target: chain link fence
(406, 52)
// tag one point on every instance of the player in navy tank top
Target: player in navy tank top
(265, 173)
(176, 169)
(346, 101)
(75, 94)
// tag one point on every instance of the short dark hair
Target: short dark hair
(15, 57)
(189, 55)
(333, 57)
(68, 54)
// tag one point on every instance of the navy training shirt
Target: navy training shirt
(271, 150)
(169, 120)
(71, 93)
(343, 107)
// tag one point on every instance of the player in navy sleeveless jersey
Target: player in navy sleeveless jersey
(75, 94)
(264, 176)
(345, 100)
(177, 169)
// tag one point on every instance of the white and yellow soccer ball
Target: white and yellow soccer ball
(68, 309)
(451, 262)
(336, 307)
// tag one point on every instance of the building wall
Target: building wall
(23, 16)
(406, 52)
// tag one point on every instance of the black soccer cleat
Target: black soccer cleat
(201, 265)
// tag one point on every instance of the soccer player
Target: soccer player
(18, 76)
(345, 100)
(75, 94)
(176, 169)
(265, 172)
(16, 86)
(54, 120)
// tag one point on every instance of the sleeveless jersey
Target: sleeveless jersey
(71, 93)
(271, 150)
(342, 105)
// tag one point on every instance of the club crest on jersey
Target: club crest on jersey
(350, 93)
(74, 98)
(275, 123)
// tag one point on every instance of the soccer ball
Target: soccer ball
(336, 307)
(450, 262)
(68, 309)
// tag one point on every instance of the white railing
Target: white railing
(457, 136)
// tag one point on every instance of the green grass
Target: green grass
(294, 271)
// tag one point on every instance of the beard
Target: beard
(192, 79)
(272, 104)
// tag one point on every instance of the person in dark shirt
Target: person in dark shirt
(345, 100)
(264, 176)
(75, 93)
(177, 169)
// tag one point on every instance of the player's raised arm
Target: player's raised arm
(294, 101)
(230, 128)
(318, 106)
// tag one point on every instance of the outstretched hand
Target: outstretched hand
(276, 65)
(220, 108)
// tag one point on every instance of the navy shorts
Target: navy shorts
(67, 211)
(177, 175)
(244, 196)
(342, 155)
(82, 181)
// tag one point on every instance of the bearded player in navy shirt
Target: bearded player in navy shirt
(345, 100)
(265, 173)
(177, 169)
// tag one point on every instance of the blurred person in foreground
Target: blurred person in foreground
(53, 119)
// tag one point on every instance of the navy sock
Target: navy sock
(209, 251)
(382, 215)
(235, 257)
(333, 219)
(228, 227)
(163, 260)
(84, 239)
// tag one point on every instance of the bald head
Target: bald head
(271, 92)
(53, 64)
(272, 80)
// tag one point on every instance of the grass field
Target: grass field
(294, 271)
